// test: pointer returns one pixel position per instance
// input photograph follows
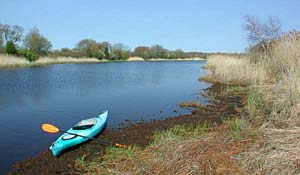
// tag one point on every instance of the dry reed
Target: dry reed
(275, 95)
(232, 70)
(12, 61)
(276, 152)
(275, 84)
(9, 61)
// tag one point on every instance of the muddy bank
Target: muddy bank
(222, 106)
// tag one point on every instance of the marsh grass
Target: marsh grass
(172, 151)
(277, 152)
(255, 103)
(9, 61)
(231, 89)
(190, 105)
(237, 71)
(274, 95)
(113, 153)
(81, 165)
(274, 82)
(240, 128)
(284, 94)
(182, 132)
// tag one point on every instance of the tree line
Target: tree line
(33, 45)
(157, 51)
(106, 50)
(92, 49)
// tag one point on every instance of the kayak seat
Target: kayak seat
(83, 127)
(85, 124)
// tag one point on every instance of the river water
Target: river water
(67, 93)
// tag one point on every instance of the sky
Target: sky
(191, 25)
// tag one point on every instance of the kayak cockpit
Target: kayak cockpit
(82, 125)
(85, 124)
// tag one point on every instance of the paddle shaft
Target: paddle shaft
(98, 140)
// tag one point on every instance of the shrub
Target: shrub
(10, 48)
(30, 56)
(99, 54)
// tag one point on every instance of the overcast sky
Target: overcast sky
(192, 25)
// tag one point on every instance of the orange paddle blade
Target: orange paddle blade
(121, 146)
(49, 128)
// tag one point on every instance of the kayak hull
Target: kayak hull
(69, 139)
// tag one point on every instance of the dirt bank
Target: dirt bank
(221, 107)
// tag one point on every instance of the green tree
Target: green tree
(120, 52)
(142, 51)
(106, 49)
(87, 47)
(10, 48)
(98, 53)
(65, 52)
(172, 55)
(37, 43)
(157, 51)
(179, 53)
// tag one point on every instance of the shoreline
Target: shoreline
(12, 62)
(136, 134)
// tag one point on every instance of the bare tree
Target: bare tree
(11, 33)
(1, 39)
(272, 28)
(261, 34)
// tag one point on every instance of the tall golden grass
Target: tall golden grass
(9, 61)
(12, 61)
(275, 88)
(233, 70)
(283, 66)
(277, 78)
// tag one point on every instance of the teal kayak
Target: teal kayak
(88, 128)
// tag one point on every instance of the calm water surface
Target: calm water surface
(67, 93)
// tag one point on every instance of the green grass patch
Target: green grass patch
(113, 152)
(84, 166)
(183, 132)
(234, 89)
(255, 103)
(240, 128)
